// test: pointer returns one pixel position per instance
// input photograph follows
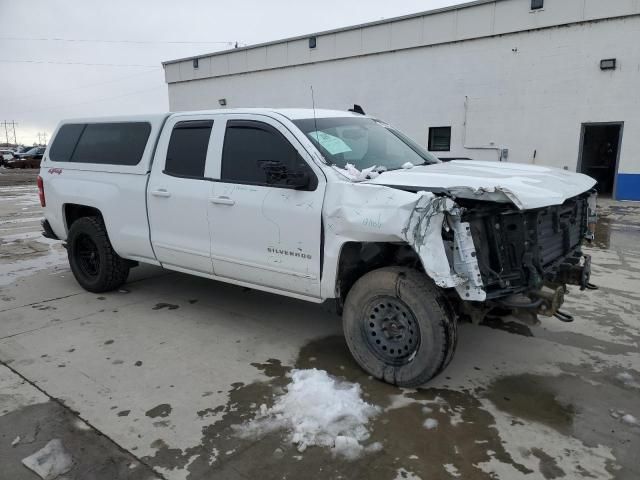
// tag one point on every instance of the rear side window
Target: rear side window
(187, 152)
(65, 142)
(252, 148)
(104, 143)
(112, 143)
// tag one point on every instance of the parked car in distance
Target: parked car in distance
(5, 154)
(21, 149)
(29, 159)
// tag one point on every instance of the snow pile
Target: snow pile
(359, 175)
(49, 462)
(318, 410)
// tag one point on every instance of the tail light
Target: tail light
(43, 202)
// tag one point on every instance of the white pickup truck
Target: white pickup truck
(320, 205)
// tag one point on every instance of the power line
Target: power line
(79, 87)
(146, 90)
(81, 63)
(142, 42)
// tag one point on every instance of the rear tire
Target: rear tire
(94, 263)
(399, 327)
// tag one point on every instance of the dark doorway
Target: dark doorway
(599, 153)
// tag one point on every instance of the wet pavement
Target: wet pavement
(153, 380)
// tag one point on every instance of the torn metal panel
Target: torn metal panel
(369, 213)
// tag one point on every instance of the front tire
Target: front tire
(94, 263)
(399, 326)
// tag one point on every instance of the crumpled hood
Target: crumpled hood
(527, 186)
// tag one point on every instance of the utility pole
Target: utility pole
(6, 125)
(42, 138)
(15, 137)
(6, 131)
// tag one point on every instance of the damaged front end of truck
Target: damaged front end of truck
(528, 257)
(486, 249)
(502, 256)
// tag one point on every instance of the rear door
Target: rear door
(264, 232)
(178, 193)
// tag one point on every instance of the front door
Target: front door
(178, 193)
(262, 231)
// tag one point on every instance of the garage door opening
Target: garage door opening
(599, 154)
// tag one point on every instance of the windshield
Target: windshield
(363, 142)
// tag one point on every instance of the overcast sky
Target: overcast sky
(73, 58)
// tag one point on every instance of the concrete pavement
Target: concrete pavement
(162, 371)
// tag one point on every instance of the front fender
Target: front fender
(375, 213)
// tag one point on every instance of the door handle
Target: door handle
(161, 192)
(222, 201)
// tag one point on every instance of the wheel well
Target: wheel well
(359, 258)
(73, 212)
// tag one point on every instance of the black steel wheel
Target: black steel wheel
(399, 326)
(392, 330)
(93, 261)
(88, 256)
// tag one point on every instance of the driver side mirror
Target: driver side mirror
(278, 174)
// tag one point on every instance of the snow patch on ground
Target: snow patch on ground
(521, 437)
(624, 417)
(401, 400)
(49, 462)
(402, 474)
(24, 254)
(451, 470)
(430, 423)
(628, 380)
(318, 410)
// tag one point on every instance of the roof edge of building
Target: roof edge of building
(409, 16)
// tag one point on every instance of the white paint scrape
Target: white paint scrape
(49, 462)
(318, 410)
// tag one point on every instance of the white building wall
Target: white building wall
(528, 92)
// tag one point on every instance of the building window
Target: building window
(313, 42)
(440, 139)
(195, 63)
(608, 64)
(537, 4)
